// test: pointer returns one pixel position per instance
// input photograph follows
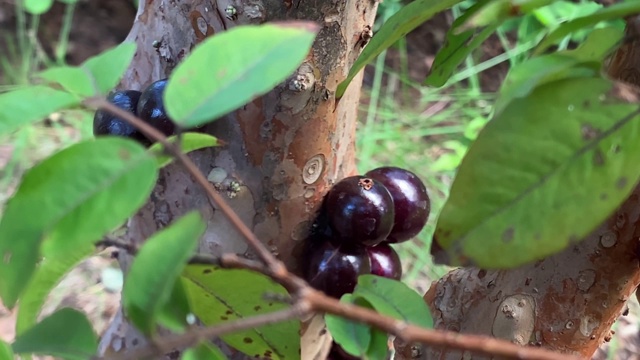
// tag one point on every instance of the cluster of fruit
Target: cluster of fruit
(360, 217)
(147, 105)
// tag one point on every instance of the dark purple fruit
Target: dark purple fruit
(334, 270)
(105, 123)
(410, 198)
(360, 211)
(151, 108)
(385, 261)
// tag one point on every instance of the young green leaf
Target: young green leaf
(612, 12)
(73, 79)
(219, 295)
(108, 67)
(204, 351)
(6, 353)
(155, 270)
(457, 46)
(353, 337)
(248, 61)
(47, 275)
(567, 152)
(394, 298)
(189, 142)
(29, 104)
(72, 198)
(400, 24)
(37, 7)
(67, 333)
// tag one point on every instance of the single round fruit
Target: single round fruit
(151, 108)
(360, 211)
(385, 261)
(411, 201)
(334, 269)
(105, 123)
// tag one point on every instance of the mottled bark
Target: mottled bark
(283, 151)
(567, 302)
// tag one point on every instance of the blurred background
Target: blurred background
(425, 130)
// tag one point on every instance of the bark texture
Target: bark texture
(283, 151)
(567, 302)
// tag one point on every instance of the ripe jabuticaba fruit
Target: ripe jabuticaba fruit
(410, 199)
(360, 210)
(151, 108)
(385, 261)
(333, 269)
(105, 123)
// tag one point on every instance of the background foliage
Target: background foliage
(441, 122)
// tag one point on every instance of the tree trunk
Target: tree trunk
(567, 302)
(284, 150)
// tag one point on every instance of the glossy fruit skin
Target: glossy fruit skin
(360, 211)
(105, 123)
(151, 108)
(334, 269)
(385, 261)
(411, 201)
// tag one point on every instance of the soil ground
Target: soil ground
(98, 25)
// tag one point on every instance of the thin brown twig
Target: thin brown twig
(196, 335)
(306, 299)
(410, 333)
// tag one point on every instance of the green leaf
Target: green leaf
(353, 337)
(585, 61)
(457, 47)
(204, 351)
(67, 333)
(400, 24)
(37, 7)
(378, 348)
(156, 268)
(599, 44)
(173, 313)
(542, 174)
(47, 275)
(189, 142)
(497, 12)
(5, 351)
(527, 76)
(248, 60)
(219, 295)
(73, 79)
(73, 198)
(29, 104)
(394, 298)
(108, 67)
(611, 12)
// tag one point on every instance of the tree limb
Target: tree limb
(306, 299)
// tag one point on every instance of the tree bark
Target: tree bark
(283, 150)
(567, 302)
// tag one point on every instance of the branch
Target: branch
(196, 335)
(306, 299)
(276, 265)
